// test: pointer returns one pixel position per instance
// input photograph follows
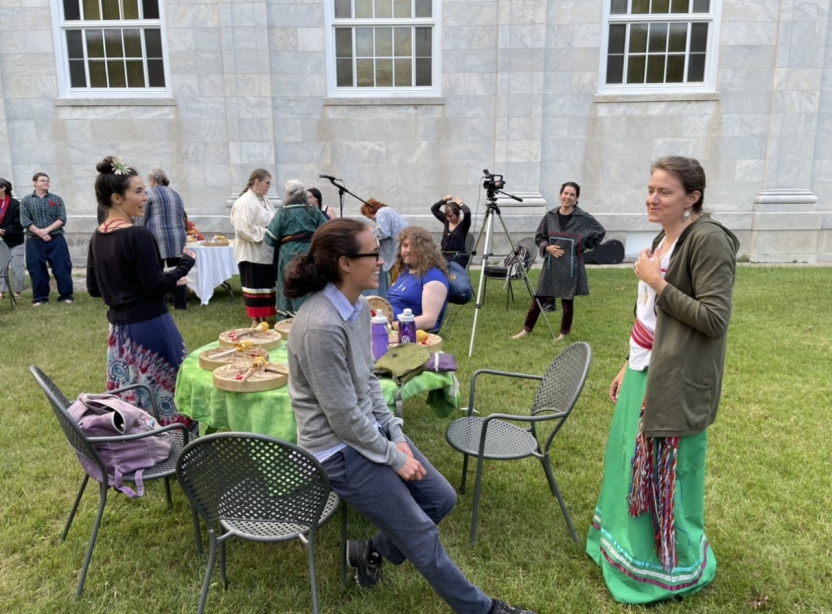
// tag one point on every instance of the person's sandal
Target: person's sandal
(2, 296)
(520, 335)
(17, 296)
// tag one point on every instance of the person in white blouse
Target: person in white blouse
(250, 215)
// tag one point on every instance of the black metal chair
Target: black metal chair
(509, 269)
(492, 437)
(85, 446)
(260, 489)
(5, 261)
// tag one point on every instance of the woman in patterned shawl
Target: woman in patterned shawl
(562, 237)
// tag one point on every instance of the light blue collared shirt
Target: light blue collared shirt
(348, 312)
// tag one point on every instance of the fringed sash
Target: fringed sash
(654, 488)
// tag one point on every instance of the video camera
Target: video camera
(492, 181)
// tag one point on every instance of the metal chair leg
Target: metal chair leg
(343, 543)
(197, 533)
(75, 506)
(223, 577)
(167, 494)
(212, 556)
(464, 473)
(95, 526)
(553, 485)
(313, 578)
(475, 515)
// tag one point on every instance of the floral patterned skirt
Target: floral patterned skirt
(148, 353)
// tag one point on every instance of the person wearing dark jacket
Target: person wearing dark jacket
(562, 237)
(11, 233)
(456, 220)
(124, 268)
(648, 531)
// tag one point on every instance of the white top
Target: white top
(646, 316)
(249, 217)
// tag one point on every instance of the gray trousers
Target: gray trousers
(17, 275)
(406, 515)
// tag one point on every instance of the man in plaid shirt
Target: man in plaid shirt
(43, 216)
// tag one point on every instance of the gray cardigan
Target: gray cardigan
(335, 395)
(684, 380)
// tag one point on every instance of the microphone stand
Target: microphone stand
(341, 191)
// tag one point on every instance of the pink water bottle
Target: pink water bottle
(381, 340)
(407, 327)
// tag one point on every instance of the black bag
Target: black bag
(459, 286)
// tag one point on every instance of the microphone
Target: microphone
(330, 177)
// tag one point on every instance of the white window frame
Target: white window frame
(713, 18)
(59, 28)
(433, 91)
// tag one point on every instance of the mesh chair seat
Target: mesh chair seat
(275, 530)
(503, 441)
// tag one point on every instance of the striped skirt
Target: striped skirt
(258, 283)
(148, 353)
(623, 546)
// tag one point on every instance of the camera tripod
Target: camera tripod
(487, 228)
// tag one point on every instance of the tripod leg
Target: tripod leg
(526, 279)
(487, 227)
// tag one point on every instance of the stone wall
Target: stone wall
(520, 97)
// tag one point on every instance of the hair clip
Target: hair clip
(119, 167)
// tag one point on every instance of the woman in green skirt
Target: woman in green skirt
(648, 531)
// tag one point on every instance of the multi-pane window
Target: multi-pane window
(658, 42)
(113, 44)
(383, 45)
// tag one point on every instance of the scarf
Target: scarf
(4, 207)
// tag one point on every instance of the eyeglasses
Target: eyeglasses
(376, 254)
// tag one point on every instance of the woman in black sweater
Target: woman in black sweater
(456, 219)
(11, 233)
(123, 268)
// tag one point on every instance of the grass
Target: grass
(769, 483)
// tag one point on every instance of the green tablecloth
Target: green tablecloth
(270, 412)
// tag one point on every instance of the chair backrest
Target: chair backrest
(74, 435)
(246, 476)
(469, 243)
(531, 251)
(562, 384)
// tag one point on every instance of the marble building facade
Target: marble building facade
(518, 88)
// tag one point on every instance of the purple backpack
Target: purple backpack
(106, 415)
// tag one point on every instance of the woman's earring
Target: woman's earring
(686, 215)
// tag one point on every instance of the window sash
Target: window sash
(697, 66)
(117, 66)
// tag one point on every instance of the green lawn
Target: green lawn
(769, 481)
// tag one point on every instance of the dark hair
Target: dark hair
(159, 176)
(689, 173)
(317, 194)
(108, 183)
(312, 271)
(260, 174)
(455, 208)
(573, 185)
(6, 184)
(371, 206)
(38, 175)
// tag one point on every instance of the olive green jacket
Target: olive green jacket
(684, 380)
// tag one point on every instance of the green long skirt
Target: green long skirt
(622, 545)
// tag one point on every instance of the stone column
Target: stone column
(246, 68)
(785, 219)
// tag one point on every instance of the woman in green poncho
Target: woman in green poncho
(290, 232)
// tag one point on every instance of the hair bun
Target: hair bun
(105, 166)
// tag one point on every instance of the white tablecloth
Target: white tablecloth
(213, 266)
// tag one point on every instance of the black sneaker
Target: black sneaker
(366, 561)
(549, 307)
(501, 607)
